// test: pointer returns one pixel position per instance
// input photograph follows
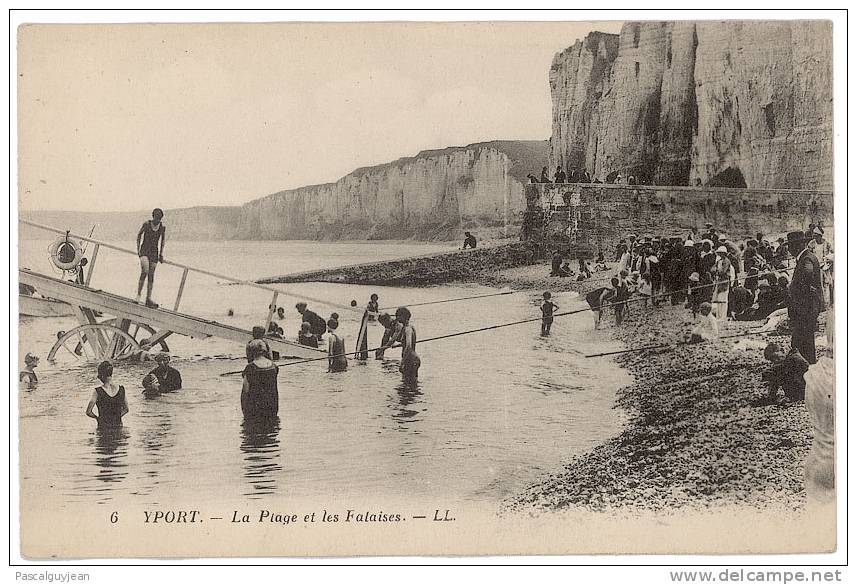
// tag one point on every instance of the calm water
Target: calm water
(490, 414)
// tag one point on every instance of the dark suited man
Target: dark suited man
(805, 292)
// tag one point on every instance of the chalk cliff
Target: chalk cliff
(735, 103)
(433, 195)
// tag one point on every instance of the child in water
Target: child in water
(786, 372)
(151, 387)
(336, 360)
(259, 333)
(305, 336)
(548, 308)
(410, 364)
(27, 377)
(372, 309)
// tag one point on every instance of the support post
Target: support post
(271, 310)
(91, 264)
(181, 290)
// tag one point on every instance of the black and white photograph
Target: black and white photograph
(427, 288)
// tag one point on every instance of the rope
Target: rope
(671, 346)
(508, 292)
(533, 320)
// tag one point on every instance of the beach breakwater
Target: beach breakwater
(459, 265)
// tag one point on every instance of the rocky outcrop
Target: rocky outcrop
(732, 104)
(429, 269)
(430, 196)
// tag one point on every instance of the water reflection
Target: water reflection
(408, 400)
(111, 456)
(157, 441)
(260, 444)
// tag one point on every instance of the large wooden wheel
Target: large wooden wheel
(139, 331)
(94, 342)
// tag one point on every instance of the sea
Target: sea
(492, 412)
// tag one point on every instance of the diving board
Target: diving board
(120, 336)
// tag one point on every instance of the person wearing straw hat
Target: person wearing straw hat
(27, 377)
(689, 264)
(696, 298)
(723, 276)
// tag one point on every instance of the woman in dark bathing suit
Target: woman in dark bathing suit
(150, 248)
(260, 397)
(108, 399)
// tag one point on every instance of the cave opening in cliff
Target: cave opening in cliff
(730, 177)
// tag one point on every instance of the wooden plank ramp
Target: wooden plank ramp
(158, 318)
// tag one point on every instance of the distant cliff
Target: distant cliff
(192, 223)
(431, 196)
(737, 103)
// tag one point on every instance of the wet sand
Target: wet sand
(693, 438)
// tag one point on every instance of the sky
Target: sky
(131, 117)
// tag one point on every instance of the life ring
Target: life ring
(65, 253)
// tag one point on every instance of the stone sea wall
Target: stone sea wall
(598, 216)
(726, 103)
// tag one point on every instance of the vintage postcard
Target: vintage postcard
(426, 288)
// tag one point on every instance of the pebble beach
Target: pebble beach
(693, 437)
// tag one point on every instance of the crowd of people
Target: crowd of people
(704, 269)
(718, 280)
(576, 175)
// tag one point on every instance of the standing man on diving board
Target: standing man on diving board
(150, 248)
